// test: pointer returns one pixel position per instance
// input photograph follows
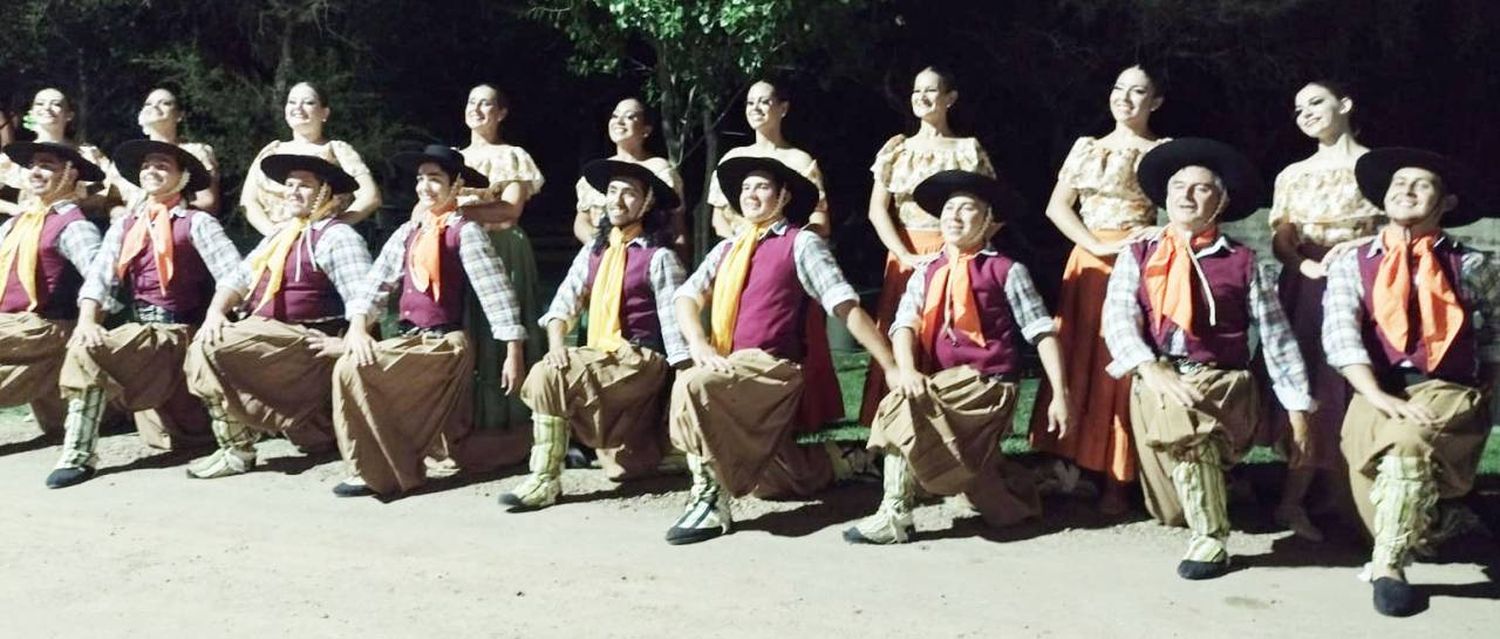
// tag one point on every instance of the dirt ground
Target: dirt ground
(142, 551)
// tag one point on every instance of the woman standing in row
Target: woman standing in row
(1098, 204)
(160, 118)
(766, 106)
(50, 116)
(911, 234)
(306, 111)
(513, 179)
(1317, 206)
(629, 126)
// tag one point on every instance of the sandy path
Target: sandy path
(148, 552)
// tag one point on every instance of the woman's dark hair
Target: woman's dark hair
(654, 227)
(322, 97)
(651, 117)
(1338, 88)
(1154, 72)
(781, 88)
(946, 79)
(182, 101)
(500, 98)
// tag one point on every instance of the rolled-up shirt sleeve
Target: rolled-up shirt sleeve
(491, 284)
(1343, 339)
(1026, 305)
(101, 282)
(667, 275)
(909, 309)
(819, 273)
(1123, 319)
(1283, 356)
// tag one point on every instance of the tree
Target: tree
(693, 56)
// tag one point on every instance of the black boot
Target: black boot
(1395, 598)
(72, 475)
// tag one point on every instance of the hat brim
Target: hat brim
(1373, 172)
(598, 174)
(804, 194)
(278, 167)
(933, 193)
(22, 152)
(129, 156)
(1241, 180)
(407, 163)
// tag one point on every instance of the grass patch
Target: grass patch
(851, 372)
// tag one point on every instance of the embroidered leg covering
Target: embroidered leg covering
(548, 446)
(81, 428)
(891, 523)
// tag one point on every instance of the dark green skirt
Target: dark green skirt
(492, 409)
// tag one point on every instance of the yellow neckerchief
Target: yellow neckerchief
(153, 219)
(730, 282)
(23, 244)
(424, 260)
(605, 332)
(273, 259)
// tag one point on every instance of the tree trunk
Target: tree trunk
(703, 226)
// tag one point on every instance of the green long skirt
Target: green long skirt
(492, 408)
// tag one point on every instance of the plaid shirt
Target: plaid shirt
(78, 242)
(487, 276)
(1344, 315)
(102, 281)
(1125, 323)
(340, 252)
(666, 275)
(816, 270)
(1026, 305)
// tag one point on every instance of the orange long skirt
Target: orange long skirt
(896, 276)
(1100, 440)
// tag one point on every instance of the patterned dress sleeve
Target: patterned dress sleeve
(1068, 174)
(1280, 196)
(982, 164)
(513, 164)
(348, 158)
(885, 160)
(255, 179)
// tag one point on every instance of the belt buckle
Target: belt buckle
(1186, 366)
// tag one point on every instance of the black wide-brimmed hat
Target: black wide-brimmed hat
(277, 167)
(129, 156)
(804, 194)
(1374, 170)
(1241, 180)
(933, 193)
(22, 152)
(447, 158)
(598, 173)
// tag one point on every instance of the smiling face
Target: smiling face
(1415, 196)
(1133, 96)
(761, 197)
(1195, 198)
(51, 111)
(484, 109)
(965, 221)
(627, 123)
(48, 174)
(159, 174)
(433, 184)
(763, 110)
(931, 97)
(160, 110)
(305, 109)
(625, 201)
(301, 192)
(1320, 113)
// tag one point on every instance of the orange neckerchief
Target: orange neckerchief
(425, 257)
(1437, 302)
(155, 220)
(1168, 276)
(950, 301)
(606, 296)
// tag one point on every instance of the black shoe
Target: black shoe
(683, 536)
(579, 457)
(64, 477)
(1395, 598)
(1199, 570)
(352, 490)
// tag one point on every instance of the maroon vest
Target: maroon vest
(418, 307)
(1226, 344)
(773, 304)
(1461, 364)
(638, 319)
(57, 280)
(192, 285)
(999, 355)
(312, 297)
